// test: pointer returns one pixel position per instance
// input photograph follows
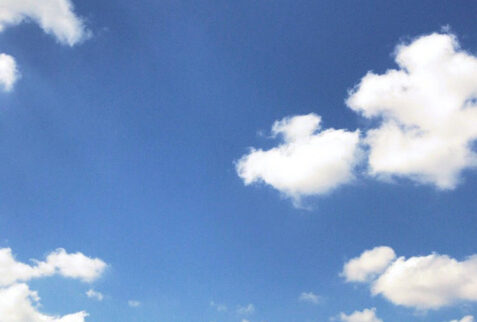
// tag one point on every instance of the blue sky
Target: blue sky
(238, 161)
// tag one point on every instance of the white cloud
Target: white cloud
(95, 295)
(246, 310)
(309, 297)
(59, 262)
(19, 304)
(218, 307)
(467, 318)
(133, 303)
(8, 72)
(307, 162)
(367, 315)
(426, 282)
(428, 112)
(55, 17)
(370, 263)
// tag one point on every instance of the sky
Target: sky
(238, 161)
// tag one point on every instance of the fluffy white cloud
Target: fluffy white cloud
(246, 310)
(309, 297)
(467, 318)
(367, 315)
(55, 17)
(95, 295)
(369, 264)
(8, 72)
(19, 304)
(133, 303)
(428, 112)
(426, 282)
(307, 162)
(59, 262)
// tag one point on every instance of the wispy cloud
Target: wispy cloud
(309, 297)
(218, 307)
(95, 295)
(246, 310)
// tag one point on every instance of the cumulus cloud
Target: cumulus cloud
(20, 304)
(467, 318)
(425, 282)
(95, 295)
(133, 303)
(428, 112)
(309, 297)
(369, 264)
(58, 262)
(309, 160)
(55, 17)
(246, 310)
(8, 72)
(367, 315)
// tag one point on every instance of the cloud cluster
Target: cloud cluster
(428, 109)
(426, 112)
(367, 315)
(309, 160)
(20, 304)
(55, 17)
(421, 282)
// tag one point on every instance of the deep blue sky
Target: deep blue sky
(124, 148)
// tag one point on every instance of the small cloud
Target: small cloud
(95, 295)
(367, 315)
(8, 72)
(309, 297)
(246, 310)
(133, 303)
(218, 307)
